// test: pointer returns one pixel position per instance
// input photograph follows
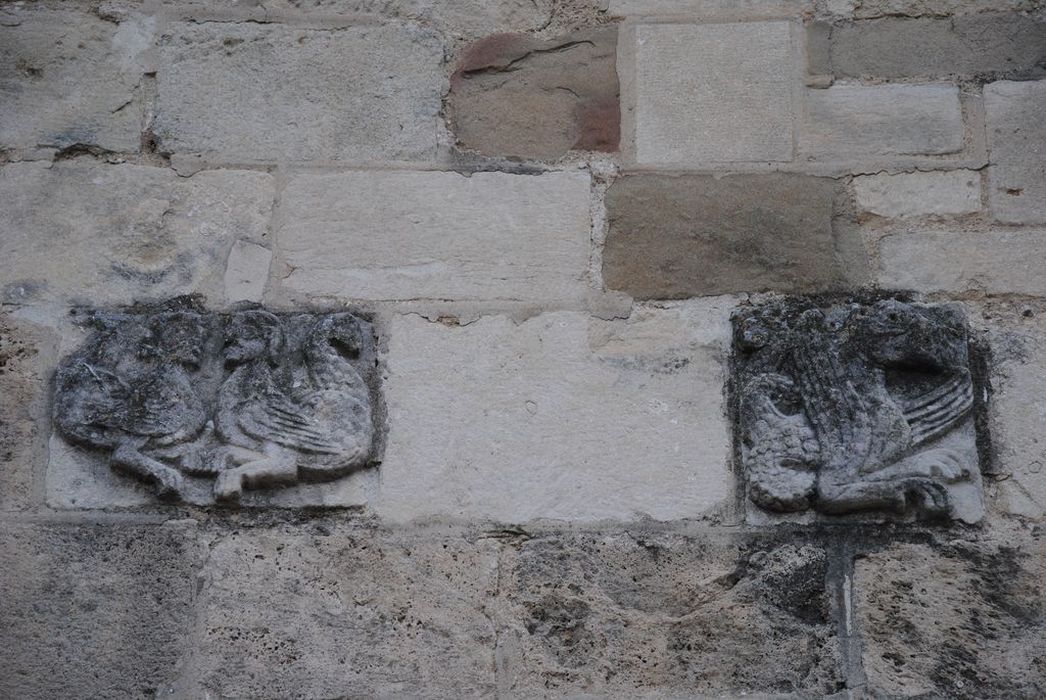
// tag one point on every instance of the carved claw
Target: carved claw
(169, 485)
(229, 485)
(932, 495)
(947, 465)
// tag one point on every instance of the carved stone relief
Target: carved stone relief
(205, 405)
(855, 407)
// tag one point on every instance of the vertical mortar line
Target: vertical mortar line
(841, 580)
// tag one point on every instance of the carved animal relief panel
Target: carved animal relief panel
(856, 407)
(204, 406)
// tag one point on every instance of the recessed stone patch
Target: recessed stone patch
(205, 406)
(856, 406)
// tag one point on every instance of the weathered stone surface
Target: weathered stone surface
(247, 271)
(435, 235)
(513, 95)
(939, 8)
(1017, 151)
(961, 620)
(204, 406)
(857, 123)
(661, 615)
(277, 93)
(857, 406)
(326, 611)
(105, 234)
(561, 416)
(971, 45)
(954, 261)
(69, 78)
(905, 195)
(102, 611)
(712, 9)
(27, 354)
(680, 236)
(713, 92)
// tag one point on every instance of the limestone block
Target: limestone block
(713, 92)
(27, 356)
(79, 231)
(691, 235)
(937, 8)
(976, 44)
(247, 271)
(561, 416)
(906, 195)
(1005, 262)
(102, 611)
(329, 611)
(275, 93)
(436, 235)
(513, 95)
(1017, 150)
(661, 615)
(859, 123)
(962, 620)
(711, 9)
(69, 78)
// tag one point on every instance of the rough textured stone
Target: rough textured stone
(714, 92)
(660, 615)
(517, 96)
(105, 234)
(679, 236)
(27, 354)
(952, 261)
(102, 611)
(562, 416)
(406, 235)
(247, 271)
(1017, 151)
(907, 195)
(277, 93)
(978, 44)
(68, 78)
(712, 9)
(939, 8)
(326, 611)
(856, 123)
(961, 621)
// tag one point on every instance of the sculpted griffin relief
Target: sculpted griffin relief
(248, 400)
(856, 407)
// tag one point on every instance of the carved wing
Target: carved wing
(290, 423)
(935, 412)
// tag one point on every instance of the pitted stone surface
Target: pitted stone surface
(857, 407)
(204, 406)
(79, 231)
(68, 78)
(277, 93)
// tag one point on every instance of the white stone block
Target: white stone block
(1004, 262)
(562, 416)
(269, 92)
(80, 231)
(710, 9)
(859, 123)
(1016, 123)
(247, 271)
(905, 195)
(437, 235)
(713, 92)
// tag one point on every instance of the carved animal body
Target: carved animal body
(283, 402)
(838, 406)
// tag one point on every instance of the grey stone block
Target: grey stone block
(962, 620)
(906, 195)
(99, 611)
(938, 8)
(333, 611)
(662, 615)
(68, 78)
(693, 235)
(1017, 150)
(279, 93)
(82, 231)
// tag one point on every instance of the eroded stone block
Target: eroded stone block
(905, 195)
(1017, 150)
(857, 407)
(103, 611)
(513, 95)
(203, 406)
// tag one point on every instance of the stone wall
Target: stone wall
(548, 210)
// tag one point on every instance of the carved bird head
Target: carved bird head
(177, 336)
(252, 335)
(342, 331)
(897, 334)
